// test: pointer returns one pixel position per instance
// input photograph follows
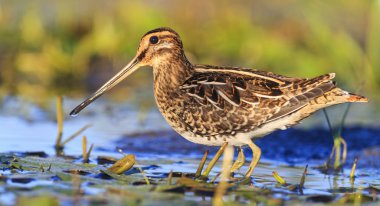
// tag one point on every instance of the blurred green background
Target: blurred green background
(72, 47)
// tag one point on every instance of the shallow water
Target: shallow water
(159, 151)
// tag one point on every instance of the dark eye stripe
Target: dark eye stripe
(142, 55)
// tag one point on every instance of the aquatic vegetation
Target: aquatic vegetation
(59, 121)
(338, 152)
(67, 181)
(201, 164)
(278, 178)
(59, 144)
(292, 187)
(86, 153)
(123, 165)
(213, 161)
(223, 185)
(303, 178)
(352, 173)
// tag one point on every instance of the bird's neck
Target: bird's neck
(169, 74)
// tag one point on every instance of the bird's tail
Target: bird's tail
(341, 96)
(356, 98)
(331, 93)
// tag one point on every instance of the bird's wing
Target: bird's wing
(221, 89)
(263, 96)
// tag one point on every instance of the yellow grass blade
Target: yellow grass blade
(123, 165)
(278, 178)
(225, 175)
(352, 173)
(201, 164)
(59, 114)
(75, 134)
(214, 160)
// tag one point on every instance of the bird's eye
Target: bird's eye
(153, 39)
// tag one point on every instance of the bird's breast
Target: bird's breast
(171, 106)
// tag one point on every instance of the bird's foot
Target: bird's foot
(239, 161)
(256, 154)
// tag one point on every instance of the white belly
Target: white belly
(239, 139)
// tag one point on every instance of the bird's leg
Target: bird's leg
(256, 153)
(239, 161)
(214, 160)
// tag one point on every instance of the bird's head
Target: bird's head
(156, 46)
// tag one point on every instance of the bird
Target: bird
(214, 105)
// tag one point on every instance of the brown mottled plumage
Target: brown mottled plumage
(211, 105)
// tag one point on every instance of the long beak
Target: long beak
(125, 72)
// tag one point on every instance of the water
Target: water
(159, 151)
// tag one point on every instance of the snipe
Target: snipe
(212, 105)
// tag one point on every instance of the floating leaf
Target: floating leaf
(123, 165)
(38, 201)
(15, 165)
(171, 188)
(188, 182)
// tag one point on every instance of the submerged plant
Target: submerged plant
(86, 154)
(201, 164)
(59, 112)
(339, 150)
(214, 160)
(352, 173)
(59, 144)
(292, 187)
(303, 178)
